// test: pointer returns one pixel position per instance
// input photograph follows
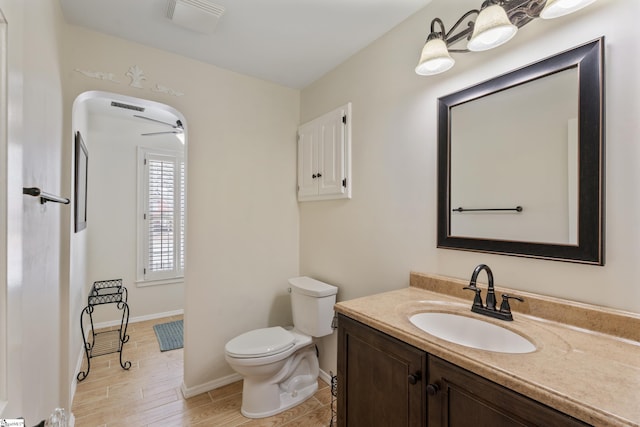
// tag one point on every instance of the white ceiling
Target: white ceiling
(289, 42)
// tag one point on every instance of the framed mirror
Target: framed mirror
(521, 161)
(81, 169)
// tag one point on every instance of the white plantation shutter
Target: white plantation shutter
(182, 218)
(163, 216)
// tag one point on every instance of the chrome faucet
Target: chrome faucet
(504, 313)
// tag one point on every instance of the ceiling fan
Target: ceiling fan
(176, 129)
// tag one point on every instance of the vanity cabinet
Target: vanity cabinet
(383, 381)
(459, 398)
(324, 156)
(380, 379)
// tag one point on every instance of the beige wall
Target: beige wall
(370, 243)
(36, 347)
(242, 224)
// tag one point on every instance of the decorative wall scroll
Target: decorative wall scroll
(99, 75)
(164, 89)
(135, 74)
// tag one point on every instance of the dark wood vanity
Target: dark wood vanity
(584, 368)
(383, 381)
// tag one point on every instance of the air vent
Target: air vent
(126, 106)
(196, 15)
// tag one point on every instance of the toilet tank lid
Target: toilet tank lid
(312, 287)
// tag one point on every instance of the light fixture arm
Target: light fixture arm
(447, 36)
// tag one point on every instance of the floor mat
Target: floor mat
(169, 335)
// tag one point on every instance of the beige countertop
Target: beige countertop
(587, 361)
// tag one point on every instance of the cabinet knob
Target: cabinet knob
(414, 378)
(319, 175)
(433, 389)
(314, 176)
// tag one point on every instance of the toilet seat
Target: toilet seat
(260, 343)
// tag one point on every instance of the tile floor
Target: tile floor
(149, 393)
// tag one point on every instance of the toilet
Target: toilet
(280, 364)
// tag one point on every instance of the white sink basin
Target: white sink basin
(472, 332)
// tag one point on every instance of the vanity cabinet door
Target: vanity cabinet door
(459, 398)
(380, 379)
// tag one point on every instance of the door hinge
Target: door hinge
(344, 119)
(344, 182)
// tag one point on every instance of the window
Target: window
(161, 216)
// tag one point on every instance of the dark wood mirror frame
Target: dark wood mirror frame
(588, 59)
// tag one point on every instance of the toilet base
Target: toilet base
(295, 382)
(287, 401)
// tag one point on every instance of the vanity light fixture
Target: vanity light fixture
(556, 8)
(495, 23)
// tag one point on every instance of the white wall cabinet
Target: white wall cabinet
(324, 156)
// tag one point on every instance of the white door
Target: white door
(331, 131)
(307, 161)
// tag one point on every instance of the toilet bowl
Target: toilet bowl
(280, 365)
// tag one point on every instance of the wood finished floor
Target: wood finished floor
(149, 393)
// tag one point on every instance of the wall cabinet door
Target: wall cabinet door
(380, 379)
(324, 156)
(459, 398)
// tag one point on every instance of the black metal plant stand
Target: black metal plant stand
(101, 343)
(334, 398)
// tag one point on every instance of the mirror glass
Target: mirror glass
(520, 161)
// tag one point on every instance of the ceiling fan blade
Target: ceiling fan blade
(176, 131)
(154, 120)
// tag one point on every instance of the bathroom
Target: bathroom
(247, 234)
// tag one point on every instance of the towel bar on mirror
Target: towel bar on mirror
(461, 209)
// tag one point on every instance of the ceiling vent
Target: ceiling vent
(196, 15)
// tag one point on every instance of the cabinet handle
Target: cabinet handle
(414, 378)
(433, 389)
(314, 176)
(319, 175)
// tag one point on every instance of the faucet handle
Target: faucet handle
(504, 306)
(477, 300)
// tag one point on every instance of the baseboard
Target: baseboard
(74, 381)
(188, 392)
(325, 377)
(110, 323)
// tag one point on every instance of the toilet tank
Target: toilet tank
(312, 304)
